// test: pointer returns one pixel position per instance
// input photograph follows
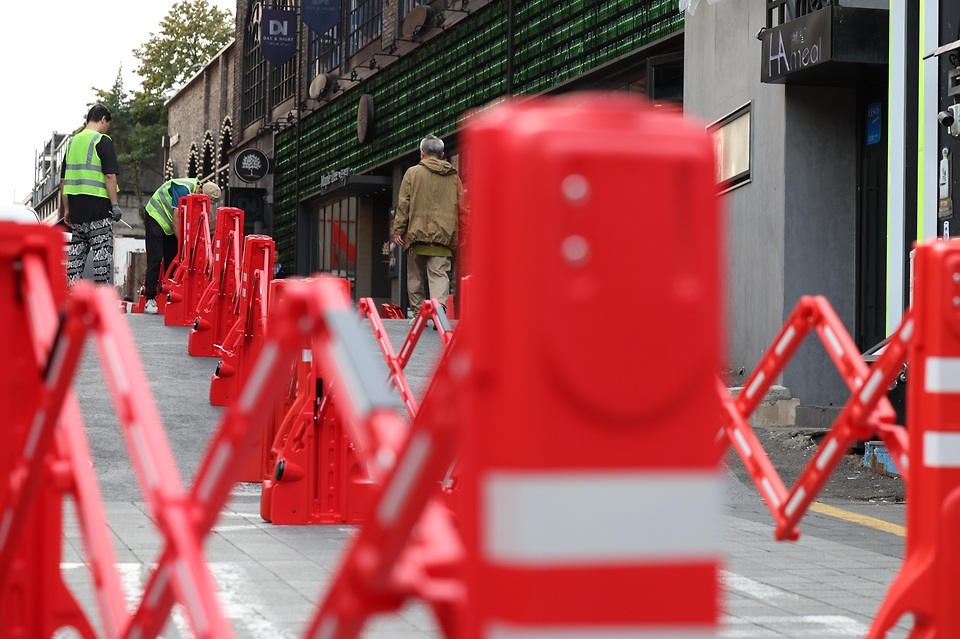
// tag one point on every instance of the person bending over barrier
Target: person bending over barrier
(162, 225)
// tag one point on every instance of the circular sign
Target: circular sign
(365, 118)
(251, 165)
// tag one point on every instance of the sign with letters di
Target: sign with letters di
(278, 35)
(321, 15)
(796, 45)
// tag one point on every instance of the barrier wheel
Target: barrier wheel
(278, 471)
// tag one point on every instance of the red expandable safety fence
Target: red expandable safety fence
(867, 413)
(219, 304)
(194, 262)
(242, 342)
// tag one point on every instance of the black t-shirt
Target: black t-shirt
(89, 208)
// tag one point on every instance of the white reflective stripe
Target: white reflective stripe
(191, 595)
(397, 491)
(34, 436)
(785, 340)
(941, 450)
(742, 443)
(116, 366)
(143, 452)
(264, 365)
(307, 355)
(5, 526)
(834, 342)
(907, 332)
(771, 493)
(56, 362)
(795, 501)
(327, 628)
(826, 453)
(872, 384)
(942, 375)
(571, 517)
(756, 384)
(159, 585)
(217, 465)
(499, 630)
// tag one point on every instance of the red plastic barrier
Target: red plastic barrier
(867, 413)
(927, 583)
(430, 309)
(46, 455)
(219, 303)
(194, 262)
(576, 491)
(242, 343)
(315, 475)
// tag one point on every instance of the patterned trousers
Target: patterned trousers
(98, 236)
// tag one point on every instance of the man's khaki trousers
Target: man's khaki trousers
(436, 268)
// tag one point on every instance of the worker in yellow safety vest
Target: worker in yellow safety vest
(162, 224)
(88, 196)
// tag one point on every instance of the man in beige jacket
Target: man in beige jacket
(431, 197)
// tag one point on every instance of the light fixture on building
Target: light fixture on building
(322, 86)
(419, 18)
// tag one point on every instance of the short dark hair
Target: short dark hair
(97, 112)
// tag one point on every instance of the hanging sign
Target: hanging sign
(321, 15)
(278, 35)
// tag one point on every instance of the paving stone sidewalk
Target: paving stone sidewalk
(828, 584)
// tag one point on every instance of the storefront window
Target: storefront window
(732, 141)
(338, 239)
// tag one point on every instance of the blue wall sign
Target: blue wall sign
(873, 123)
(278, 35)
(321, 15)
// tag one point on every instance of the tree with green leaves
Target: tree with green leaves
(190, 35)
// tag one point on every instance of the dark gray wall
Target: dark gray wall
(792, 229)
(820, 213)
(721, 74)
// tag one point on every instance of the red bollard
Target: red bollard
(315, 475)
(573, 426)
(242, 342)
(219, 302)
(194, 262)
(927, 584)
(574, 488)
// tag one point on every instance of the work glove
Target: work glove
(117, 213)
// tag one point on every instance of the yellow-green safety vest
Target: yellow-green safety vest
(83, 174)
(161, 206)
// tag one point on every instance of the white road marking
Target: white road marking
(793, 626)
(239, 601)
(756, 589)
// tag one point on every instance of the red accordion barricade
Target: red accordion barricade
(46, 456)
(242, 342)
(219, 303)
(315, 474)
(194, 266)
(431, 309)
(927, 584)
(867, 413)
(570, 427)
